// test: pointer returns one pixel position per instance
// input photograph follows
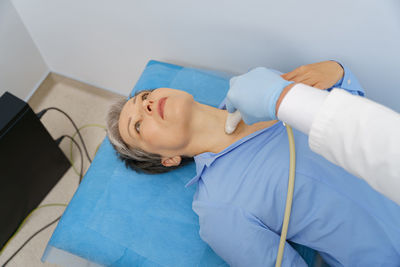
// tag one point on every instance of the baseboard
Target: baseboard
(37, 85)
(88, 83)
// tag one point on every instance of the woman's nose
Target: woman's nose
(148, 106)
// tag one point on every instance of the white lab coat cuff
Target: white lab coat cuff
(300, 106)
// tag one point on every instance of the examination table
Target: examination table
(118, 217)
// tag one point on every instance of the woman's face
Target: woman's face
(157, 121)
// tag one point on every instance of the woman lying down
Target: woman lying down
(242, 179)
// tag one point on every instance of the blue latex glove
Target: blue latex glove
(255, 94)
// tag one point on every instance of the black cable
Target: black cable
(58, 141)
(29, 239)
(41, 113)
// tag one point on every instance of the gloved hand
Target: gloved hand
(255, 94)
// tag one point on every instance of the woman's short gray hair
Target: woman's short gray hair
(135, 158)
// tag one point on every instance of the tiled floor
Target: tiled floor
(85, 105)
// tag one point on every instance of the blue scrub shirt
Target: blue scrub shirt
(241, 194)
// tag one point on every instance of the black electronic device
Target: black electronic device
(31, 163)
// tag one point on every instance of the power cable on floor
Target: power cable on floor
(73, 136)
(41, 113)
(26, 242)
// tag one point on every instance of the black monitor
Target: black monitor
(31, 163)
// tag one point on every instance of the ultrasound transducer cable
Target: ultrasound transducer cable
(230, 126)
(289, 196)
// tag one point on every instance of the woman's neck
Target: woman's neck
(208, 130)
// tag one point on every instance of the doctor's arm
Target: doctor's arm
(240, 238)
(353, 132)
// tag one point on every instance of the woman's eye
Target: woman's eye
(145, 95)
(137, 127)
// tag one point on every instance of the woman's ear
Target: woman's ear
(170, 162)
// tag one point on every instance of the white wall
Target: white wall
(107, 43)
(22, 68)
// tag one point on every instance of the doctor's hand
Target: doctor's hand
(255, 95)
(322, 75)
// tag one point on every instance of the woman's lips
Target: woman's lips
(161, 104)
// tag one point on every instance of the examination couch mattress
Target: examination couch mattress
(118, 217)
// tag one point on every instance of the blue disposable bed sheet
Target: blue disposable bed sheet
(118, 217)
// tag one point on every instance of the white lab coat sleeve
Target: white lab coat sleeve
(300, 105)
(353, 132)
(361, 136)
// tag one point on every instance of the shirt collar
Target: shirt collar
(206, 159)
